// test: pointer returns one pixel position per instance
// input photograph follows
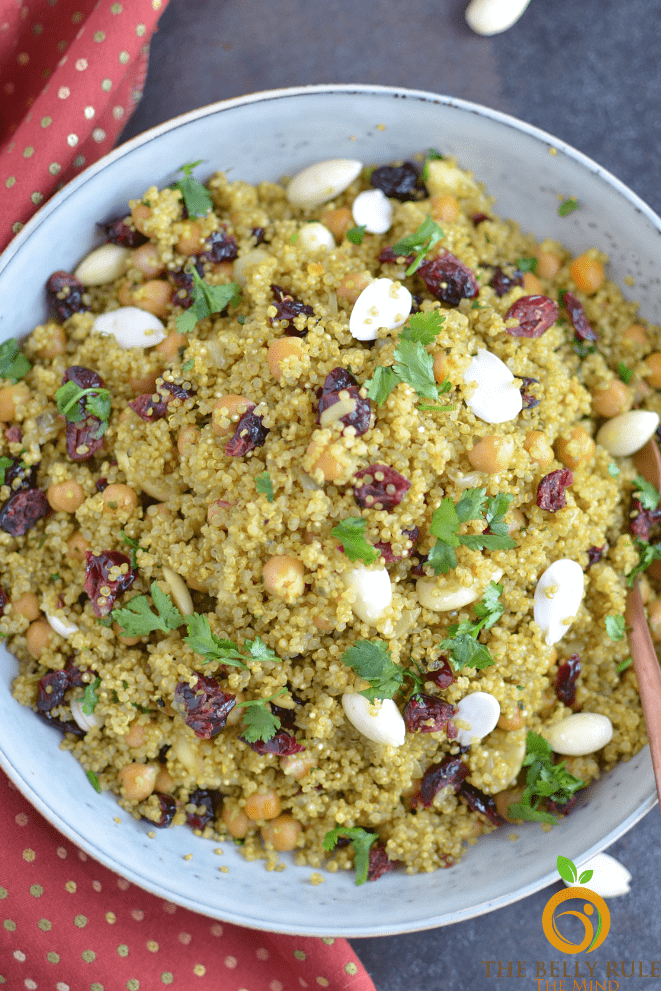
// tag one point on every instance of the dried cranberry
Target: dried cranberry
(426, 713)
(644, 520)
(250, 433)
(578, 318)
(387, 556)
(102, 590)
(442, 676)
(167, 808)
(222, 247)
(101, 484)
(449, 773)
(595, 554)
(287, 717)
(119, 232)
(18, 472)
(561, 808)
(358, 418)
(551, 490)
(282, 743)
(149, 409)
(418, 570)
(478, 218)
(75, 675)
(399, 181)
(64, 725)
(479, 802)
(259, 234)
(502, 283)
(565, 680)
(535, 315)
(207, 706)
(51, 690)
(379, 863)
(206, 799)
(84, 438)
(4, 599)
(338, 379)
(183, 282)
(448, 279)
(288, 307)
(65, 295)
(165, 749)
(529, 401)
(22, 510)
(379, 487)
(389, 257)
(14, 434)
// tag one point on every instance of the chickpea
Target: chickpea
(190, 240)
(297, 765)
(636, 333)
(136, 735)
(147, 260)
(216, 514)
(338, 221)
(653, 618)
(226, 413)
(138, 781)
(236, 822)
(65, 497)
(164, 781)
(127, 641)
(575, 449)
(187, 438)
(513, 722)
(652, 361)
(441, 367)
(531, 284)
(263, 805)
(139, 214)
(548, 264)
(284, 577)
(119, 499)
(612, 400)
(322, 624)
(503, 800)
(12, 397)
(170, 346)
(77, 546)
(279, 351)
(444, 209)
(153, 296)
(330, 463)
(56, 341)
(587, 273)
(282, 833)
(352, 285)
(514, 520)
(538, 447)
(144, 383)
(492, 453)
(27, 605)
(37, 636)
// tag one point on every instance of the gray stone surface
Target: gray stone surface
(586, 72)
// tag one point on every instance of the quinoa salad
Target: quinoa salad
(318, 514)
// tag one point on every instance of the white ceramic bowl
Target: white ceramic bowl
(264, 136)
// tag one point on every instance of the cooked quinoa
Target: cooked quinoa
(206, 525)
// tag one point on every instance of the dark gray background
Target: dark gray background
(588, 72)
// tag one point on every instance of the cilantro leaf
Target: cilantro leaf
(206, 300)
(490, 609)
(188, 365)
(4, 464)
(471, 504)
(626, 374)
(356, 234)
(544, 779)
(646, 493)
(260, 652)
(13, 363)
(137, 620)
(96, 402)
(613, 470)
(445, 522)
(615, 627)
(94, 781)
(647, 554)
(448, 517)
(567, 206)
(195, 195)
(415, 366)
(441, 558)
(203, 641)
(350, 533)
(432, 155)
(361, 841)
(370, 659)
(462, 643)
(259, 723)
(423, 327)
(135, 547)
(264, 486)
(421, 241)
(90, 698)
(623, 665)
(381, 384)
(526, 264)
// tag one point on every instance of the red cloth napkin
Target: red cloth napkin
(71, 72)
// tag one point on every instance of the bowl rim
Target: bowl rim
(106, 161)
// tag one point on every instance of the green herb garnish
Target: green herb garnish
(567, 206)
(544, 779)
(421, 242)
(423, 328)
(462, 644)
(526, 264)
(361, 841)
(96, 402)
(259, 723)
(203, 641)
(134, 545)
(623, 665)
(206, 300)
(413, 364)
(615, 627)
(4, 464)
(90, 698)
(370, 659)
(13, 363)
(94, 781)
(195, 195)
(626, 374)
(351, 534)
(356, 234)
(646, 494)
(613, 470)
(473, 505)
(137, 620)
(264, 486)
(188, 365)
(381, 384)
(432, 155)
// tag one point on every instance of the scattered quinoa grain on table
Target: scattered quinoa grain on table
(318, 515)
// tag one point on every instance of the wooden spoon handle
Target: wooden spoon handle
(648, 674)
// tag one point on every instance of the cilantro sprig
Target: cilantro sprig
(421, 241)
(567, 206)
(412, 363)
(646, 494)
(432, 155)
(649, 499)
(90, 698)
(464, 649)
(195, 195)
(473, 505)
(625, 373)
(136, 619)
(351, 534)
(4, 464)
(371, 660)
(134, 546)
(356, 234)
(615, 627)
(206, 300)
(204, 642)
(543, 780)
(259, 723)
(361, 841)
(94, 781)
(95, 402)
(13, 363)
(527, 264)
(264, 486)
